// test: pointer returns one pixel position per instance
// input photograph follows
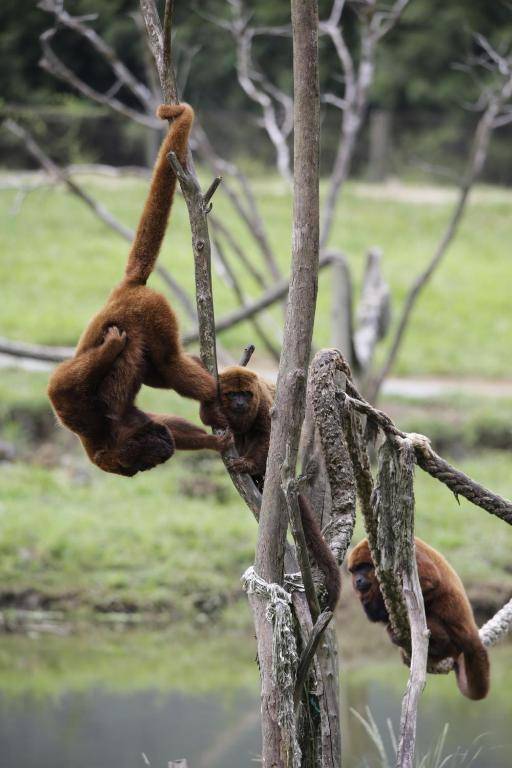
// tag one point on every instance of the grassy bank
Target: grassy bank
(177, 539)
(63, 262)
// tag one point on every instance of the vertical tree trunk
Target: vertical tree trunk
(291, 383)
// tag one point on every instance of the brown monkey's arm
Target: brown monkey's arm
(86, 370)
(254, 459)
(153, 222)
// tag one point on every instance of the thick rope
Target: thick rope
(458, 482)
(285, 658)
(497, 627)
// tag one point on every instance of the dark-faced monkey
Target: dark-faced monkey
(135, 340)
(246, 400)
(453, 631)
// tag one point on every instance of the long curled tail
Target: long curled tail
(153, 222)
(321, 552)
(472, 670)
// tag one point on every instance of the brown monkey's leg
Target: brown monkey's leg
(440, 645)
(188, 377)
(188, 437)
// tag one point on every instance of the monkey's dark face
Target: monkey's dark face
(367, 587)
(362, 578)
(239, 403)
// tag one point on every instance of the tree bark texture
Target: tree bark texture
(288, 412)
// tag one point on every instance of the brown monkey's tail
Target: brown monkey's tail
(472, 670)
(321, 552)
(153, 222)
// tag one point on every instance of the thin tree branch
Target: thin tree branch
(246, 207)
(52, 64)
(458, 482)
(475, 163)
(122, 73)
(234, 283)
(247, 354)
(358, 80)
(198, 217)
(250, 78)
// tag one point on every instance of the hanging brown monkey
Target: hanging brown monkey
(453, 631)
(246, 400)
(135, 340)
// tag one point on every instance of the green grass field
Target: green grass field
(154, 541)
(59, 263)
(146, 543)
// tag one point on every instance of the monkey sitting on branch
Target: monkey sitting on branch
(135, 340)
(246, 400)
(453, 631)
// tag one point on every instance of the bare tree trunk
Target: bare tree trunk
(291, 383)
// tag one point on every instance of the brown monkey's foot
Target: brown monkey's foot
(114, 336)
(241, 465)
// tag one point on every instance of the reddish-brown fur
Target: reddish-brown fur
(246, 400)
(250, 424)
(453, 631)
(135, 340)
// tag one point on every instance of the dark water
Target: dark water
(101, 704)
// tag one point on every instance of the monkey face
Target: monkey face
(239, 403)
(367, 587)
(361, 578)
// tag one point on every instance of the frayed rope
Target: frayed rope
(285, 658)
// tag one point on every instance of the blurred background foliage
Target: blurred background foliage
(418, 82)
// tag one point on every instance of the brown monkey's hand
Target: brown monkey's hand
(241, 465)
(224, 441)
(115, 337)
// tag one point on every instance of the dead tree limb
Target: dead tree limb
(123, 75)
(241, 197)
(56, 67)
(457, 481)
(373, 313)
(475, 163)
(327, 377)
(35, 351)
(233, 281)
(258, 88)
(357, 79)
(397, 560)
(247, 354)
